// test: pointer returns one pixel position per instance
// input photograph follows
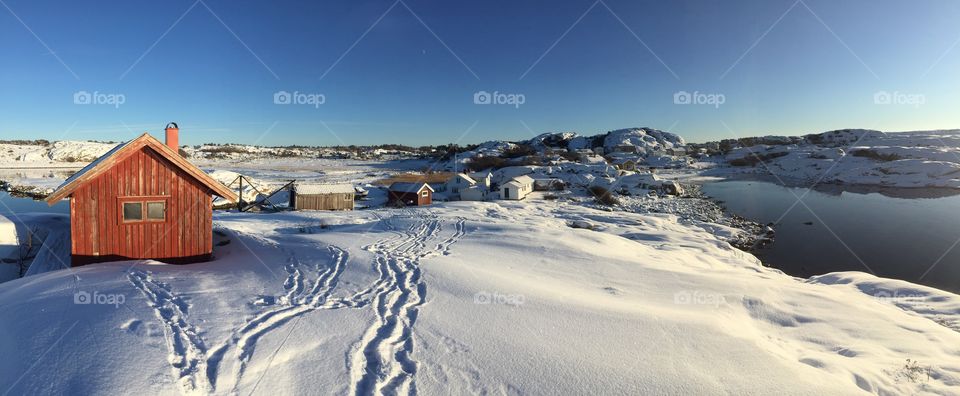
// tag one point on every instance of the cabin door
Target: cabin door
(506, 193)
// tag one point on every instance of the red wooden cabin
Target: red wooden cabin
(410, 194)
(141, 200)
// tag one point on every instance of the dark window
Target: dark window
(156, 210)
(132, 211)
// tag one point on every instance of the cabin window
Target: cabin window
(132, 211)
(156, 210)
(424, 194)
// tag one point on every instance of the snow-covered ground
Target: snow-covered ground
(498, 297)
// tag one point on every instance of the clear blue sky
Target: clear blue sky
(216, 72)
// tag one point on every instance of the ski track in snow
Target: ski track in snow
(187, 350)
(381, 362)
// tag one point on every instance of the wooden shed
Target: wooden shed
(410, 194)
(322, 196)
(141, 200)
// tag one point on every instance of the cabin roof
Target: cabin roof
(408, 187)
(466, 177)
(522, 179)
(317, 188)
(107, 161)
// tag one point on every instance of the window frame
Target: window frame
(146, 211)
(123, 212)
(143, 200)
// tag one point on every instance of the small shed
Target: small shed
(141, 200)
(315, 196)
(410, 194)
(626, 164)
(517, 188)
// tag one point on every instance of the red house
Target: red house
(410, 194)
(141, 200)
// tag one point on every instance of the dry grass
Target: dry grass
(437, 177)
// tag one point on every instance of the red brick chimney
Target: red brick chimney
(173, 136)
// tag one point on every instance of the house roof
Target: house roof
(480, 175)
(523, 179)
(317, 188)
(466, 177)
(105, 162)
(409, 187)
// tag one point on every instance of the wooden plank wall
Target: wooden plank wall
(96, 225)
(324, 201)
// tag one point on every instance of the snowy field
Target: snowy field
(500, 297)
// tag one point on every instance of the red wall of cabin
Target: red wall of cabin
(98, 233)
(393, 196)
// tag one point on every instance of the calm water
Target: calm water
(894, 234)
(25, 205)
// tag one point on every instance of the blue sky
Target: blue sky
(215, 66)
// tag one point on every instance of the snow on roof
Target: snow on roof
(316, 188)
(94, 164)
(522, 179)
(106, 161)
(480, 175)
(466, 177)
(408, 187)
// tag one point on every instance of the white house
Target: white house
(457, 183)
(482, 178)
(517, 188)
(475, 193)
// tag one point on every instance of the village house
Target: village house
(141, 200)
(455, 184)
(409, 194)
(482, 178)
(517, 188)
(475, 193)
(307, 196)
